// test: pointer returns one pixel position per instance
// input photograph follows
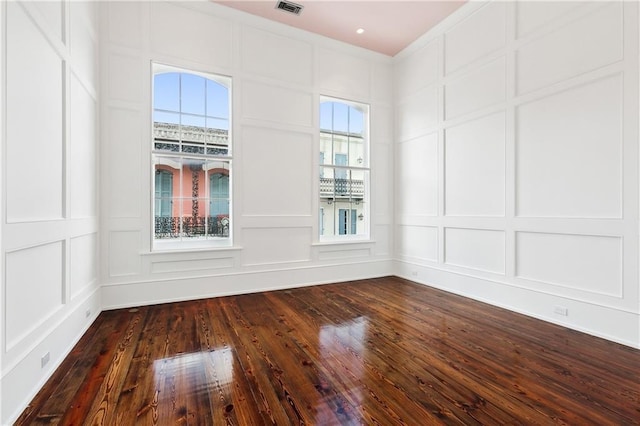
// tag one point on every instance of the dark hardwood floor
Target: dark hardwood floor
(376, 352)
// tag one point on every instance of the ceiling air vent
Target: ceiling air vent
(289, 6)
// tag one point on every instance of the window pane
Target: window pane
(340, 117)
(217, 123)
(326, 147)
(193, 120)
(326, 116)
(166, 192)
(219, 190)
(356, 121)
(217, 100)
(195, 226)
(356, 151)
(192, 95)
(166, 91)
(166, 117)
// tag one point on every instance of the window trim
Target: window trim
(365, 167)
(161, 245)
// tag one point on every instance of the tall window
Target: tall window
(191, 156)
(344, 169)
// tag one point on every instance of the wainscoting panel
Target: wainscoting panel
(418, 242)
(33, 292)
(479, 249)
(588, 263)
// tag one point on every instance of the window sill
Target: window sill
(335, 242)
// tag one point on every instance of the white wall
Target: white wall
(278, 76)
(49, 206)
(517, 161)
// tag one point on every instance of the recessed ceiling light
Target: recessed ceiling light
(360, 30)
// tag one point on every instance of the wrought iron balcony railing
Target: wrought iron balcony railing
(191, 227)
(336, 187)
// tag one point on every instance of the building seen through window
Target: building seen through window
(191, 156)
(344, 169)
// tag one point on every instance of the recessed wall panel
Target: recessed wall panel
(204, 264)
(277, 179)
(126, 77)
(475, 167)
(125, 22)
(344, 75)
(34, 288)
(382, 83)
(479, 249)
(34, 126)
(418, 242)
(189, 34)
(569, 152)
(418, 113)
(84, 48)
(82, 152)
(476, 90)
(417, 176)
(52, 11)
(277, 104)
(584, 262)
(123, 145)
(381, 172)
(476, 36)
(382, 237)
(276, 245)
(381, 125)
(83, 263)
(584, 45)
(531, 15)
(275, 56)
(418, 70)
(343, 254)
(124, 253)
(88, 12)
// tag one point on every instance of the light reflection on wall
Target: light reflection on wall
(197, 371)
(343, 351)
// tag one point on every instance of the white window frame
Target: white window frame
(157, 157)
(364, 166)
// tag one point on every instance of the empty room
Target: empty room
(319, 212)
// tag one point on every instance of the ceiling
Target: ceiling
(389, 26)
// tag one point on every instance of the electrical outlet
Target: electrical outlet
(414, 273)
(87, 313)
(44, 360)
(561, 310)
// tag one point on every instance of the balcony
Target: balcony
(341, 188)
(191, 227)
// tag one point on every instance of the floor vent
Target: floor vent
(290, 7)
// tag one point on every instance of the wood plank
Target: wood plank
(380, 351)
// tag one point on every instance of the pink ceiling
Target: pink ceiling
(389, 26)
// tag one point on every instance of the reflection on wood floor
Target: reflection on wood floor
(382, 351)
